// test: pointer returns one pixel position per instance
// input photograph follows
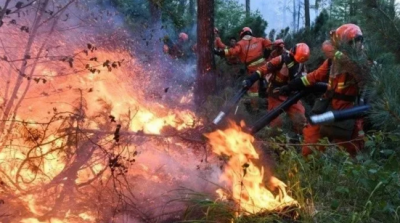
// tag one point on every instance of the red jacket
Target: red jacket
(283, 69)
(229, 59)
(250, 51)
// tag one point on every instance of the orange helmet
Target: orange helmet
(346, 33)
(301, 52)
(246, 31)
(183, 36)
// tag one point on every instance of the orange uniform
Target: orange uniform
(276, 53)
(284, 69)
(231, 60)
(250, 51)
(343, 91)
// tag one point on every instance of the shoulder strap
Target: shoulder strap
(247, 51)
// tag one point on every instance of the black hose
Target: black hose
(340, 115)
(229, 106)
(266, 119)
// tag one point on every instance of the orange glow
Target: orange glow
(243, 177)
(30, 167)
(34, 220)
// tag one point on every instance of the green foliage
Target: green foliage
(137, 13)
(179, 20)
(385, 95)
(330, 186)
(230, 18)
(333, 187)
(133, 10)
(202, 208)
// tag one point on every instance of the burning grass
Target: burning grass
(246, 181)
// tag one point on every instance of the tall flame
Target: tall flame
(245, 179)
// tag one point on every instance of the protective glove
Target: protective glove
(293, 85)
(250, 80)
(285, 90)
(219, 52)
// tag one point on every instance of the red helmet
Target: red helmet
(279, 42)
(183, 36)
(245, 30)
(346, 33)
(301, 52)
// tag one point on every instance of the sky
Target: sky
(278, 13)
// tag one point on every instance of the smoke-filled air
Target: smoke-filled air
(96, 120)
(164, 111)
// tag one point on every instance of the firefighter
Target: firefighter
(250, 51)
(282, 69)
(346, 79)
(180, 49)
(232, 59)
(278, 49)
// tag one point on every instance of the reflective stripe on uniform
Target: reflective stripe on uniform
(252, 94)
(257, 62)
(305, 81)
(342, 85)
(291, 64)
(226, 52)
(259, 73)
(338, 54)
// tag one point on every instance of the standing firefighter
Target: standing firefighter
(278, 49)
(232, 59)
(346, 78)
(250, 51)
(284, 68)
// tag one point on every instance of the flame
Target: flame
(245, 179)
(103, 92)
(87, 217)
(35, 220)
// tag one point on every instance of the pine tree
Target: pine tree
(381, 32)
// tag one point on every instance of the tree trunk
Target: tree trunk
(316, 4)
(192, 12)
(23, 68)
(247, 8)
(294, 15)
(392, 9)
(298, 18)
(351, 10)
(205, 81)
(307, 13)
(154, 11)
(392, 3)
(371, 3)
(181, 7)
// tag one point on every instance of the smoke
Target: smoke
(147, 77)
